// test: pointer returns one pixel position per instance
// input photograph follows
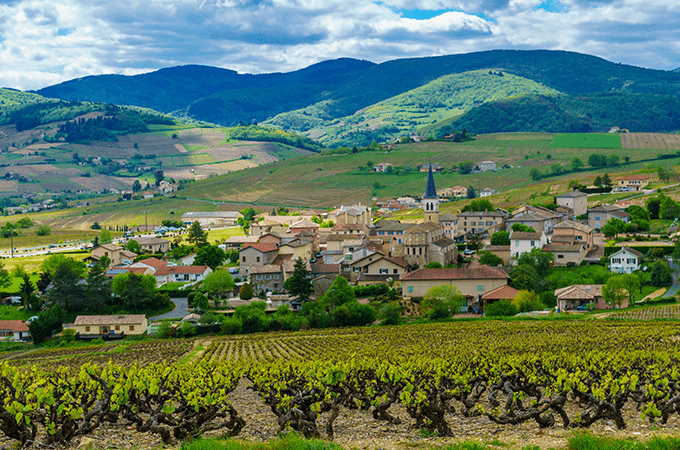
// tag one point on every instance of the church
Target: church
(426, 242)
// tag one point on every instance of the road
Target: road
(180, 311)
(676, 280)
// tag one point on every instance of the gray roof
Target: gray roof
(573, 194)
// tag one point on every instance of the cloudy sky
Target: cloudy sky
(43, 42)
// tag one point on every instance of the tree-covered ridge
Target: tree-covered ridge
(582, 113)
(256, 133)
(446, 97)
(10, 97)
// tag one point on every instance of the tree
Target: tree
(197, 235)
(653, 205)
(595, 160)
(466, 167)
(66, 288)
(488, 258)
(668, 209)
(526, 301)
(606, 181)
(249, 214)
(433, 265)
(246, 292)
(522, 228)
(339, 293)
(576, 164)
(598, 181)
(53, 262)
(200, 302)
(218, 283)
(390, 314)
(500, 238)
(535, 173)
(613, 160)
(24, 223)
(501, 308)
(105, 237)
(48, 322)
(661, 274)
(299, 283)
(613, 227)
(209, 255)
(538, 259)
(136, 186)
(159, 176)
(96, 226)
(133, 246)
(479, 205)
(524, 277)
(471, 192)
(98, 289)
(632, 284)
(614, 291)
(244, 224)
(442, 301)
(5, 279)
(43, 230)
(134, 290)
(637, 213)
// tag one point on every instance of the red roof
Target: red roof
(153, 262)
(261, 247)
(166, 270)
(472, 273)
(504, 292)
(13, 325)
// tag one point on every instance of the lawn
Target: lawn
(587, 140)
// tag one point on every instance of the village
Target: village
(481, 252)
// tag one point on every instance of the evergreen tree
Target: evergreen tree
(299, 283)
(197, 235)
(246, 292)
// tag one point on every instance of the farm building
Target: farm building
(131, 324)
(208, 218)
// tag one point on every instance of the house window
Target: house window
(516, 242)
(560, 256)
(533, 243)
(597, 217)
(277, 276)
(357, 269)
(257, 259)
(243, 259)
(383, 272)
(132, 328)
(258, 277)
(267, 277)
(480, 287)
(396, 271)
(117, 327)
(632, 261)
(616, 260)
(409, 288)
(87, 328)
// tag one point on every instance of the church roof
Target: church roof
(430, 191)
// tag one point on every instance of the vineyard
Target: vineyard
(436, 378)
(658, 312)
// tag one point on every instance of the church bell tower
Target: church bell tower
(430, 201)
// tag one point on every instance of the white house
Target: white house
(181, 274)
(14, 330)
(522, 242)
(625, 260)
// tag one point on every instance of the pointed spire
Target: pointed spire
(430, 191)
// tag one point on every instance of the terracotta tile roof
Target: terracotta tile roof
(325, 268)
(241, 239)
(562, 239)
(305, 224)
(349, 227)
(563, 247)
(166, 270)
(110, 320)
(501, 293)
(497, 248)
(150, 240)
(111, 247)
(471, 273)
(525, 236)
(570, 224)
(128, 254)
(13, 325)
(152, 262)
(629, 250)
(267, 268)
(573, 194)
(264, 248)
(579, 292)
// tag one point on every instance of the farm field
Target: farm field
(377, 386)
(333, 179)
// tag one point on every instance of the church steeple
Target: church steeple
(430, 200)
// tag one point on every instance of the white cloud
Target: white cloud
(43, 42)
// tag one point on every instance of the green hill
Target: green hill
(446, 97)
(342, 87)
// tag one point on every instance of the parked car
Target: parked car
(586, 307)
(234, 270)
(468, 252)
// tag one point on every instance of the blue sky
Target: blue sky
(43, 42)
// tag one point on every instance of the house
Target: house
(376, 268)
(524, 241)
(577, 201)
(435, 167)
(119, 270)
(257, 253)
(477, 222)
(426, 243)
(302, 248)
(267, 278)
(473, 282)
(14, 330)
(502, 251)
(572, 232)
(153, 244)
(352, 214)
(450, 224)
(571, 297)
(486, 192)
(187, 260)
(383, 167)
(151, 263)
(601, 214)
(632, 183)
(536, 217)
(504, 292)
(117, 254)
(271, 238)
(235, 242)
(566, 254)
(106, 326)
(209, 218)
(486, 165)
(625, 260)
(351, 228)
(391, 229)
(181, 274)
(304, 225)
(407, 201)
(456, 191)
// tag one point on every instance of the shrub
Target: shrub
(230, 326)
(246, 292)
(501, 308)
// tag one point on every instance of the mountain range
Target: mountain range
(348, 102)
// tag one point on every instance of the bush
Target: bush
(246, 292)
(230, 326)
(165, 330)
(390, 314)
(501, 308)
(187, 330)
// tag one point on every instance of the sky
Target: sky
(45, 42)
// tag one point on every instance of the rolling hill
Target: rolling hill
(339, 89)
